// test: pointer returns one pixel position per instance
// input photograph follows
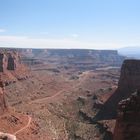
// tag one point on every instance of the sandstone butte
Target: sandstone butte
(128, 119)
(11, 67)
(128, 83)
(9, 61)
(128, 110)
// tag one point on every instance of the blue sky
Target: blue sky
(94, 24)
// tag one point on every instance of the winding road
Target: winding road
(23, 128)
(13, 136)
(29, 118)
(48, 98)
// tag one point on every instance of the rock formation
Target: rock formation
(128, 121)
(130, 76)
(129, 82)
(2, 62)
(2, 102)
(3, 106)
(110, 57)
(11, 65)
(11, 68)
(9, 61)
(83, 59)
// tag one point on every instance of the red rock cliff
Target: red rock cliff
(129, 82)
(128, 121)
(130, 76)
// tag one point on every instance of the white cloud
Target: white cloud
(27, 42)
(2, 30)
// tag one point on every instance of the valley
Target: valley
(54, 99)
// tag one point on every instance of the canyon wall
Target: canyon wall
(128, 119)
(8, 62)
(130, 76)
(128, 83)
(98, 56)
(79, 59)
(11, 70)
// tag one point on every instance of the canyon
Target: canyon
(66, 94)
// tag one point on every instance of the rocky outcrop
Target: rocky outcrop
(129, 82)
(2, 62)
(11, 68)
(9, 61)
(11, 65)
(128, 121)
(130, 76)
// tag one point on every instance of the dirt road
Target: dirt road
(48, 98)
(20, 130)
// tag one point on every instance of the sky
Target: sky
(88, 24)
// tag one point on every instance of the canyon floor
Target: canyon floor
(60, 104)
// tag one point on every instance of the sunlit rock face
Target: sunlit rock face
(128, 120)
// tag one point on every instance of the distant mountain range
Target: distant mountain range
(130, 52)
